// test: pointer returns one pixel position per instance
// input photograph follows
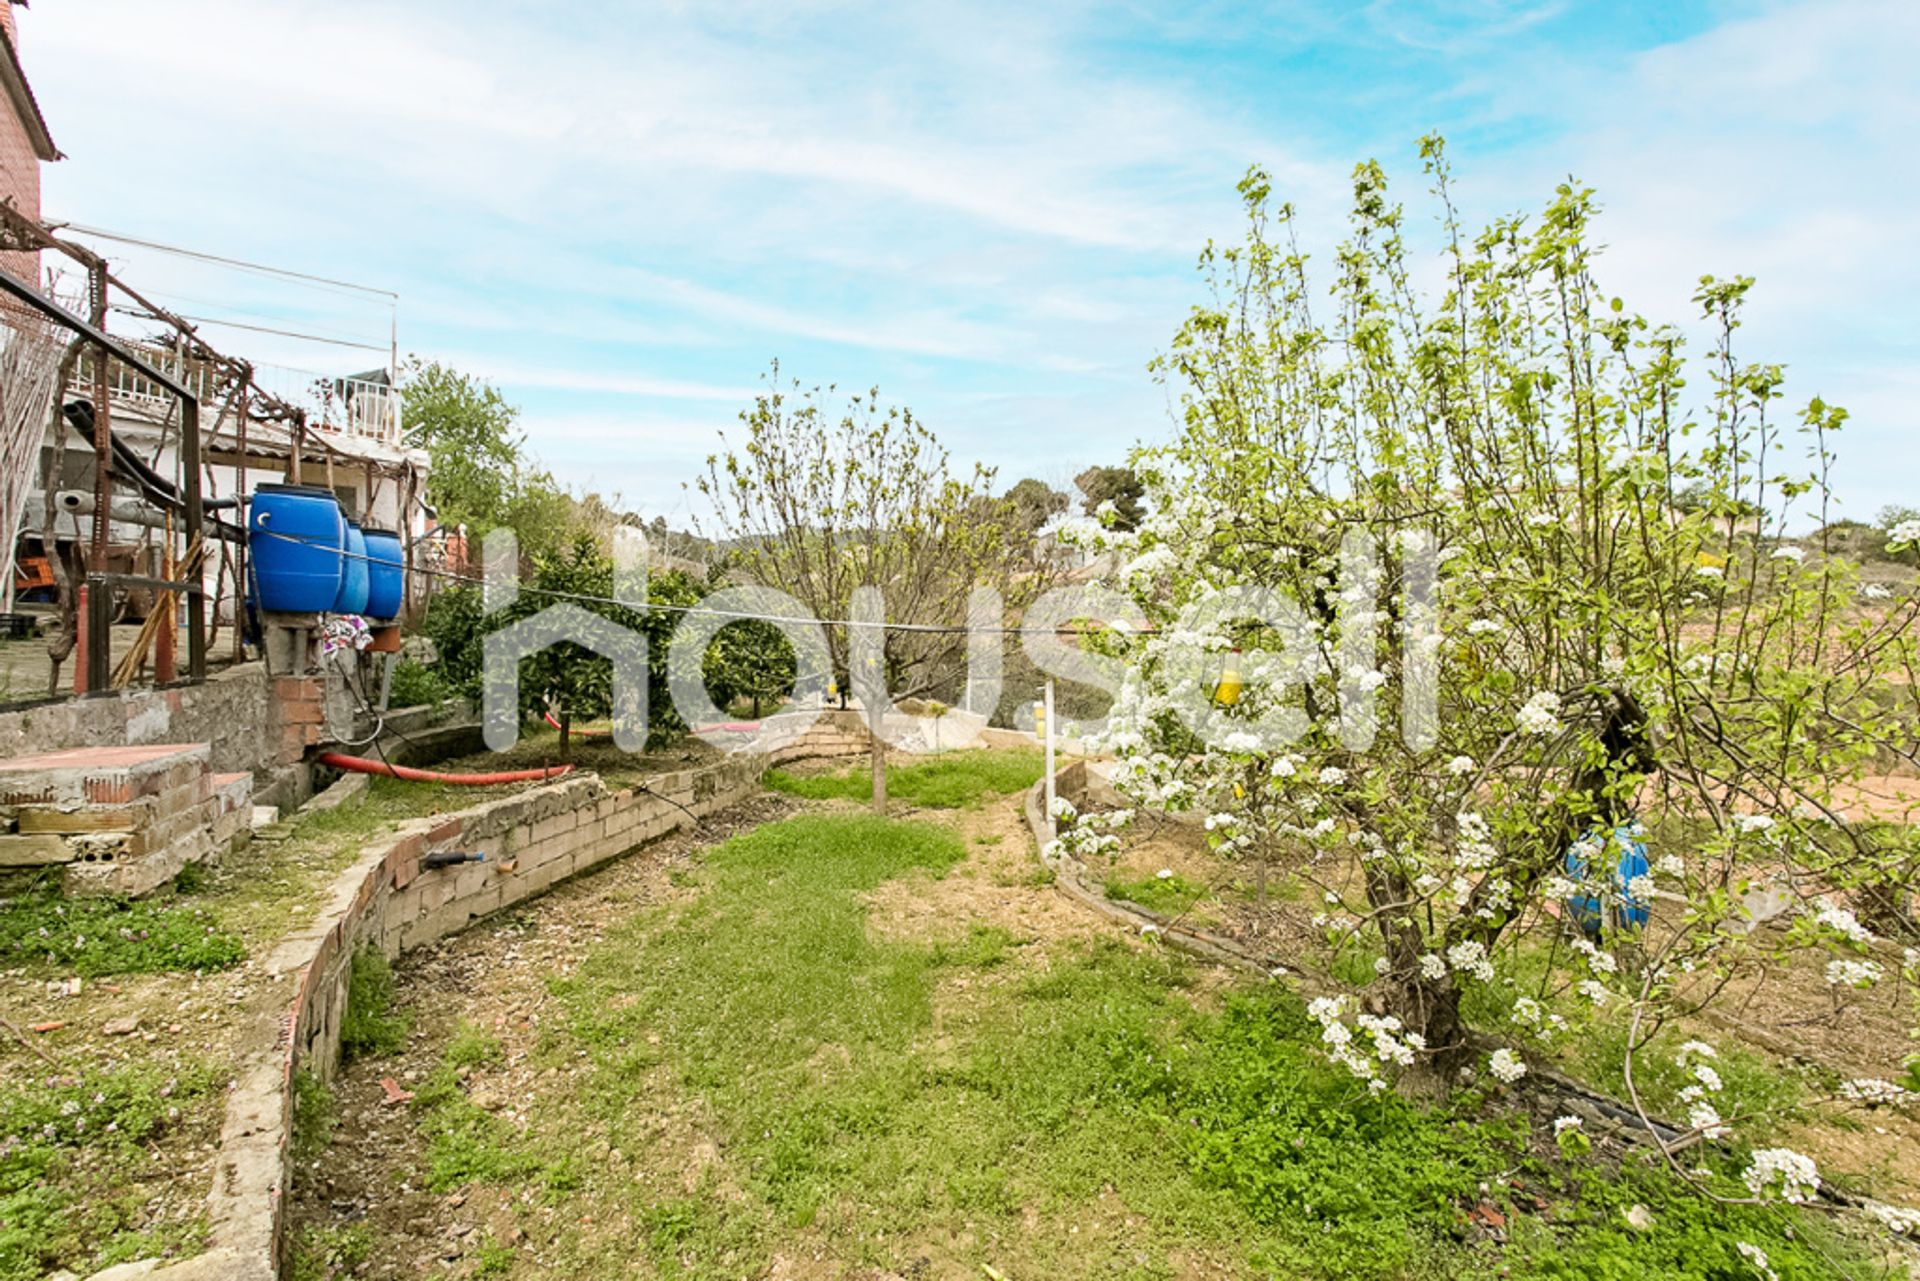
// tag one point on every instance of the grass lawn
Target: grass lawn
(753, 1079)
(954, 781)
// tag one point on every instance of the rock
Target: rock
(1639, 1218)
(121, 1027)
(127, 1271)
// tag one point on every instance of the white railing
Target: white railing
(361, 408)
(365, 409)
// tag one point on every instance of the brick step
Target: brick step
(122, 820)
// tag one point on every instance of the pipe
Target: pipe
(361, 765)
(131, 511)
(554, 721)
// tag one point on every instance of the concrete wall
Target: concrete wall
(233, 712)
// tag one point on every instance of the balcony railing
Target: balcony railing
(359, 407)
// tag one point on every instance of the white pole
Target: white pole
(1053, 827)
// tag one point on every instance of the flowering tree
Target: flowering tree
(1478, 641)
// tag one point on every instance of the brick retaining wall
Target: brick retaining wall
(386, 899)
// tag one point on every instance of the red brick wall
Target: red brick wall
(19, 169)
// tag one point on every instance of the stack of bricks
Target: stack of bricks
(119, 820)
(301, 702)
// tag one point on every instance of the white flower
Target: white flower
(1871, 1091)
(1332, 776)
(1240, 743)
(1485, 627)
(1704, 1117)
(1695, 1049)
(1895, 1218)
(1540, 715)
(1709, 571)
(1671, 865)
(1797, 1176)
(1874, 591)
(1506, 1066)
(1460, 765)
(1754, 1255)
(1907, 531)
(1062, 808)
(1164, 874)
(1526, 1011)
(1283, 767)
(1593, 990)
(1563, 1124)
(1471, 956)
(1793, 554)
(1853, 973)
(1432, 967)
(1841, 921)
(1752, 823)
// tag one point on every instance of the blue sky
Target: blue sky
(622, 213)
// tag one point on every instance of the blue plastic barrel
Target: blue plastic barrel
(1628, 912)
(353, 573)
(294, 536)
(386, 573)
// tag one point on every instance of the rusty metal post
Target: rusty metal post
(240, 555)
(99, 600)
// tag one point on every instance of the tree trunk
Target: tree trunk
(879, 757)
(566, 734)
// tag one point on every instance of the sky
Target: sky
(622, 213)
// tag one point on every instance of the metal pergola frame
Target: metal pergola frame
(99, 603)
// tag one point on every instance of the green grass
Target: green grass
(314, 1116)
(73, 1152)
(96, 937)
(1095, 1085)
(370, 1027)
(955, 781)
(322, 1254)
(467, 1144)
(1171, 895)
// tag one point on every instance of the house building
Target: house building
(340, 431)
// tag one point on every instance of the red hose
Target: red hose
(361, 765)
(583, 733)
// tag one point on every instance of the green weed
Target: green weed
(97, 937)
(323, 1253)
(72, 1153)
(369, 1026)
(313, 1117)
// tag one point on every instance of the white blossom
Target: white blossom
(1506, 1066)
(1845, 973)
(1754, 1255)
(1541, 714)
(1795, 1174)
